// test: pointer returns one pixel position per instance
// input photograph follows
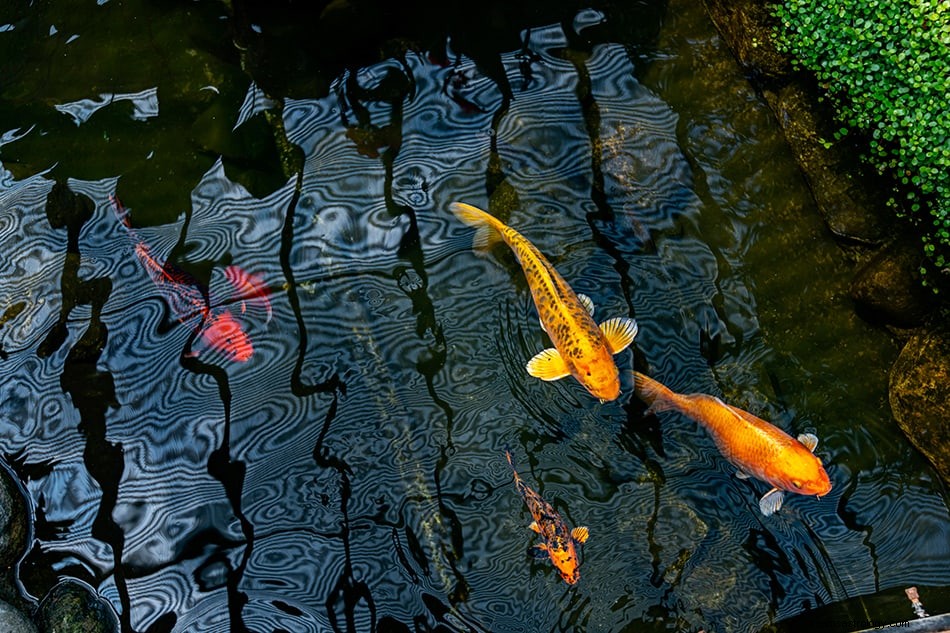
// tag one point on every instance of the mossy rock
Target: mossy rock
(73, 606)
(920, 395)
(13, 621)
(14, 531)
(888, 288)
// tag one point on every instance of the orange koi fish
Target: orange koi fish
(560, 544)
(250, 286)
(754, 446)
(581, 348)
(188, 298)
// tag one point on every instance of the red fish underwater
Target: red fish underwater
(188, 298)
(560, 544)
(754, 446)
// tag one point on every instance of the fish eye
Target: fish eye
(797, 483)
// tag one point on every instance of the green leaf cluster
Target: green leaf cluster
(886, 67)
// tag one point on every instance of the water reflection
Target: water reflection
(351, 474)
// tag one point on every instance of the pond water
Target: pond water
(351, 474)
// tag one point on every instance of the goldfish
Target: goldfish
(188, 298)
(754, 446)
(581, 348)
(560, 544)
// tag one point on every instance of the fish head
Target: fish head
(564, 557)
(804, 474)
(599, 376)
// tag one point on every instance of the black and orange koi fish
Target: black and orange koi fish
(560, 544)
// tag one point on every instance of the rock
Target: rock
(920, 394)
(848, 197)
(12, 621)
(888, 288)
(73, 606)
(746, 25)
(14, 532)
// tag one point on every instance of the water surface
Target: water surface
(351, 474)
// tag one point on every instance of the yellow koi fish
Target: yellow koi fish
(560, 544)
(754, 446)
(581, 348)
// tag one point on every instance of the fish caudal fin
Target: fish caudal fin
(771, 501)
(548, 365)
(580, 534)
(487, 234)
(653, 393)
(619, 332)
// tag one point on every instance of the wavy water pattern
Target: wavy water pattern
(351, 474)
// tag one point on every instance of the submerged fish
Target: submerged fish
(581, 348)
(754, 446)
(188, 298)
(560, 544)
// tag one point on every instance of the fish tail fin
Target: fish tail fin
(511, 462)
(658, 396)
(486, 234)
(121, 213)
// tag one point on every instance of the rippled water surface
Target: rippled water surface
(351, 474)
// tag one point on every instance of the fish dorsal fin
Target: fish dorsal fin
(580, 534)
(809, 440)
(771, 501)
(534, 527)
(548, 365)
(587, 302)
(619, 332)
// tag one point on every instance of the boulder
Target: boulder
(72, 606)
(920, 394)
(888, 289)
(14, 532)
(12, 621)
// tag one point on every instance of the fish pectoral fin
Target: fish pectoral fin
(580, 534)
(771, 501)
(534, 527)
(540, 550)
(619, 332)
(548, 365)
(587, 302)
(810, 441)
(742, 474)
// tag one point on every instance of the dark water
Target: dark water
(351, 474)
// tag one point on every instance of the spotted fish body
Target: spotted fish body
(756, 447)
(581, 347)
(559, 542)
(188, 299)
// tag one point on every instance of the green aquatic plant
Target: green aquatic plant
(886, 67)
